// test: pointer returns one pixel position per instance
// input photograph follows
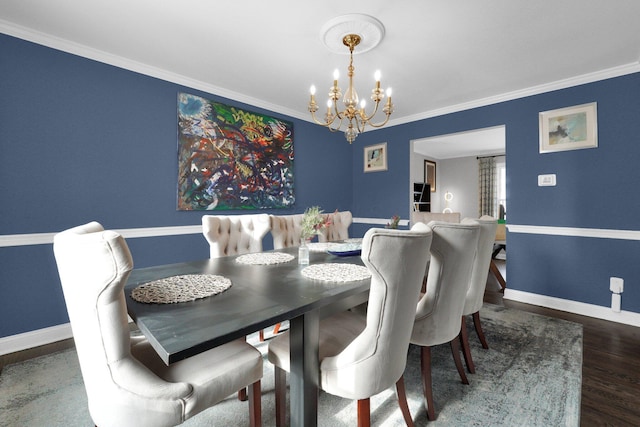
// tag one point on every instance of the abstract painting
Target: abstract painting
(569, 128)
(375, 157)
(229, 158)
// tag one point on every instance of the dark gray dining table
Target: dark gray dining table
(260, 296)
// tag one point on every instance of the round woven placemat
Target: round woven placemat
(334, 272)
(264, 258)
(182, 288)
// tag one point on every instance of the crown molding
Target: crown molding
(609, 73)
(141, 68)
(138, 67)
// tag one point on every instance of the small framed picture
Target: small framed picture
(430, 174)
(570, 128)
(375, 157)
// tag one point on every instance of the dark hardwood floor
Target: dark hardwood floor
(610, 367)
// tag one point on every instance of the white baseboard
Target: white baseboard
(52, 334)
(39, 337)
(583, 309)
(36, 338)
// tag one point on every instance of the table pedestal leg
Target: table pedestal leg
(303, 380)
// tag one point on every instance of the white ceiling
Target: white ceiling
(479, 142)
(438, 55)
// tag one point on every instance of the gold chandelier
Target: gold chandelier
(354, 110)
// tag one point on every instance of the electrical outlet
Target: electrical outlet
(616, 285)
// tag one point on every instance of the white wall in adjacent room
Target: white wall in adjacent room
(460, 177)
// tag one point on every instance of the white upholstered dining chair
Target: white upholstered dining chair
(126, 382)
(236, 235)
(286, 230)
(477, 284)
(339, 227)
(437, 318)
(362, 356)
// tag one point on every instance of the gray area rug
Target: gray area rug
(530, 376)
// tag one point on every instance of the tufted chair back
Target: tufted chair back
(127, 384)
(286, 230)
(439, 311)
(377, 357)
(478, 281)
(234, 234)
(339, 228)
(94, 265)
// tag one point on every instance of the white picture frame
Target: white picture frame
(375, 157)
(570, 128)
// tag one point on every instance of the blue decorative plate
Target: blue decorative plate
(346, 249)
(346, 253)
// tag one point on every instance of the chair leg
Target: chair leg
(402, 401)
(466, 350)
(455, 350)
(425, 359)
(496, 272)
(276, 329)
(364, 413)
(255, 405)
(479, 331)
(281, 396)
(242, 394)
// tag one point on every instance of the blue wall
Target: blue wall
(596, 188)
(85, 141)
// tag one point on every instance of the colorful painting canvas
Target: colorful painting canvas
(568, 129)
(229, 158)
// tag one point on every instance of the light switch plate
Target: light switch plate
(548, 180)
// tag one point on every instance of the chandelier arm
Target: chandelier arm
(326, 124)
(337, 128)
(339, 114)
(329, 124)
(379, 125)
(366, 118)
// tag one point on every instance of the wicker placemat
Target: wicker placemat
(264, 258)
(182, 288)
(334, 272)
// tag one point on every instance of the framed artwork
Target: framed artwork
(570, 128)
(375, 157)
(229, 158)
(430, 174)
